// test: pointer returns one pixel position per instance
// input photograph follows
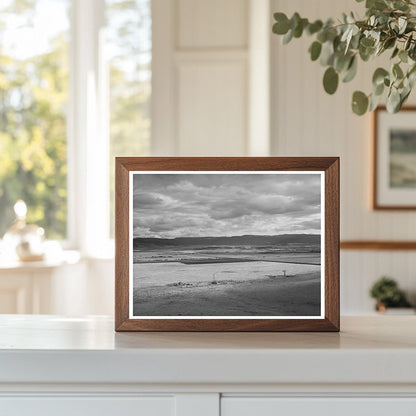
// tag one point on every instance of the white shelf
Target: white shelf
(50, 262)
(47, 349)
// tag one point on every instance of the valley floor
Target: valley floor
(294, 295)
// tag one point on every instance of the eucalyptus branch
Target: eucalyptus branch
(389, 25)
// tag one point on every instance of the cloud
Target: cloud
(148, 199)
(174, 205)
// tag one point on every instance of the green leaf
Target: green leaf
(366, 48)
(378, 89)
(412, 70)
(403, 56)
(397, 71)
(355, 41)
(281, 27)
(332, 33)
(342, 62)
(395, 52)
(408, 42)
(327, 53)
(294, 20)
(412, 52)
(400, 5)
(315, 50)
(288, 37)
(404, 96)
(402, 24)
(374, 102)
(322, 36)
(393, 101)
(379, 75)
(394, 26)
(376, 4)
(366, 53)
(298, 30)
(351, 71)
(389, 43)
(314, 27)
(330, 80)
(337, 42)
(348, 35)
(367, 42)
(359, 103)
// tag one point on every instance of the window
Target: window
(75, 87)
(129, 46)
(33, 97)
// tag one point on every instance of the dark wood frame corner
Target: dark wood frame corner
(330, 165)
(375, 205)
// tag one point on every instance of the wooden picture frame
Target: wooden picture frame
(140, 172)
(391, 176)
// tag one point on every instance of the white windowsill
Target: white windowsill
(65, 257)
(57, 257)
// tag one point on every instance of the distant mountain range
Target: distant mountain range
(241, 240)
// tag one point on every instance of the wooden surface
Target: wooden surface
(330, 165)
(378, 245)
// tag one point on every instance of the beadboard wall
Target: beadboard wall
(308, 122)
(219, 76)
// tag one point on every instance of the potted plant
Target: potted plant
(387, 294)
(389, 27)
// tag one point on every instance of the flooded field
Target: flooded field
(223, 254)
(226, 281)
(161, 274)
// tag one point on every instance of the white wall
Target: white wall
(202, 81)
(308, 122)
(210, 97)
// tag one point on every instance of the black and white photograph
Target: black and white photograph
(403, 158)
(394, 178)
(226, 244)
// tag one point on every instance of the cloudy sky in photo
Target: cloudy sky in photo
(200, 205)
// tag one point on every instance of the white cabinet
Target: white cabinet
(87, 406)
(203, 405)
(268, 406)
(79, 366)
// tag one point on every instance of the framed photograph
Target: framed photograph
(394, 176)
(227, 244)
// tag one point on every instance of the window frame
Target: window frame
(87, 124)
(87, 133)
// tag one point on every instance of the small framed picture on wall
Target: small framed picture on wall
(394, 177)
(227, 244)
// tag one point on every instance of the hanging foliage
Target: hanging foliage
(389, 27)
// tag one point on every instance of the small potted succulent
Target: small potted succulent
(388, 295)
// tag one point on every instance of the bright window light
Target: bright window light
(33, 101)
(75, 88)
(129, 46)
